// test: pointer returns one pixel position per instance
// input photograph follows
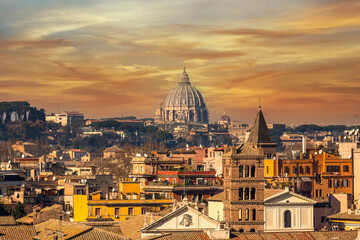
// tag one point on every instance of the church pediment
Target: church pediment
(288, 197)
(183, 219)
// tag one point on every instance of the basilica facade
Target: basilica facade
(184, 104)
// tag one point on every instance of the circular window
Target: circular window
(241, 230)
(252, 230)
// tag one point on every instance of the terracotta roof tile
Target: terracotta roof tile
(17, 232)
(7, 221)
(217, 197)
(271, 192)
(345, 216)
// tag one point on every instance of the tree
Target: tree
(4, 211)
(19, 211)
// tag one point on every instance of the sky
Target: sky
(113, 58)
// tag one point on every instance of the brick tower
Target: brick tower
(244, 179)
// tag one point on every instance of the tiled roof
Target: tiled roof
(17, 232)
(271, 192)
(320, 235)
(182, 236)
(99, 234)
(217, 197)
(49, 229)
(131, 228)
(113, 227)
(345, 216)
(29, 219)
(7, 221)
(113, 148)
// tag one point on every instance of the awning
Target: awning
(306, 179)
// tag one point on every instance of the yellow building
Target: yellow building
(270, 169)
(80, 210)
(128, 204)
(129, 189)
(122, 209)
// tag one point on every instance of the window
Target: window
(190, 161)
(345, 168)
(254, 214)
(294, 169)
(252, 171)
(241, 193)
(345, 183)
(246, 193)
(246, 171)
(323, 219)
(241, 171)
(286, 169)
(136, 168)
(267, 169)
(336, 183)
(320, 193)
(141, 168)
(329, 183)
(79, 191)
(301, 170)
(97, 211)
(240, 214)
(287, 219)
(307, 169)
(130, 211)
(117, 211)
(332, 168)
(252, 230)
(143, 211)
(246, 214)
(252, 194)
(317, 193)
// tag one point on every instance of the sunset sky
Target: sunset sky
(121, 57)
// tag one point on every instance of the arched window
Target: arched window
(252, 171)
(252, 195)
(252, 230)
(246, 171)
(246, 214)
(241, 193)
(240, 214)
(136, 168)
(241, 171)
(287, 219)
(301, 170)
(241, 230)
(254, 214)
(246, 193)
(141, 168)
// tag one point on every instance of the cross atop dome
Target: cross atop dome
(184, 77)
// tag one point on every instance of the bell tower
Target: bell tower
(244, 179)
